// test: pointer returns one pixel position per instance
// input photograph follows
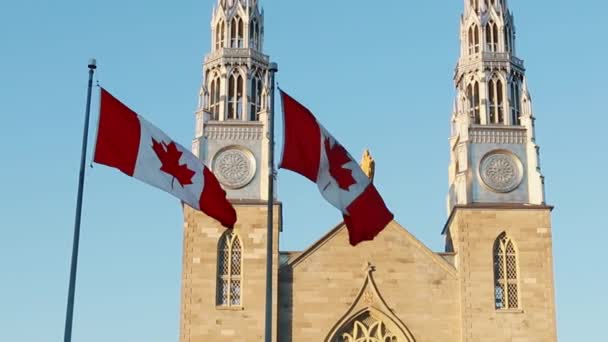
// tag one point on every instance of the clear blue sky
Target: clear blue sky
(377, 74)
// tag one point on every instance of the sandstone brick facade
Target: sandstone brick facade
(392, 288)
(473, 232)
(202, 319)
(419, 295)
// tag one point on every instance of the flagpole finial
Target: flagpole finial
(273, 67)
(92, 63)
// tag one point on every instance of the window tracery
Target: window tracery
(474, 102)
(473, 39)
(506, 287)
(214, 98)
(235, 96)
(230, 265)
(366, 328)
(495, 97)
(254, 34)
(220, 32)
(236, 32)
(255, 97)
(492, 36)
(515, 102)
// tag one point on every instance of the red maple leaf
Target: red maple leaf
(338, 157)
(169, 156)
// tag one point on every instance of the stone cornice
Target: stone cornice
(234, 55)
(237, 130)
(488, 60)
(494, 206)
(497, 134)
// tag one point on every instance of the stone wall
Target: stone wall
(318, 287)
(201, 319)
(473, 232)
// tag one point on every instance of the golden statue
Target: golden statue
(368, 164)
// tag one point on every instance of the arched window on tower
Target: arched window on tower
(515, 102)
(240, 34)
(254, 35)
(507, 38)
(473, 39)
(506, 287)
(220, 31)
(492, 100)
(255, 97)
(492, 36)
(214, 98)
(473, 102)
(229, 274)
(474, 5)
(235, 96)
(496, 96)
(236, 32)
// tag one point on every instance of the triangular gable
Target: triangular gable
(392, 225)
(370, 300)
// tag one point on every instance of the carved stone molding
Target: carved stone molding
(236, 56)
(223, 132)
(234, 166)
(369, 318)
(501, 171)
(497, 135)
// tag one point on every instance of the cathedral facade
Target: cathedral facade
(493, 282)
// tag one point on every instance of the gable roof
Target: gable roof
(439, 260)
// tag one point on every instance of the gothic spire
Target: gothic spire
(493, 124)
(233, 100)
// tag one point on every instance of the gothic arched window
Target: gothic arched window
(230, 266)
(506, 287)
(473, 39)
(255, 97)
(235, 96)
(473, 102)
(495, 97)
(220, 31)
(254, 35)
(236, 32)
(475, 5)
(214, 98)
(507, 39)
(515, 102)
(500, 98)
(492, 36)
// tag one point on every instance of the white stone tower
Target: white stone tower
(232, 114)
(494, 157)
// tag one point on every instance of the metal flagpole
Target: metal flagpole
(67, 336)
(273, 68)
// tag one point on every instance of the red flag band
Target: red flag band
(128, 142)
(310, 150)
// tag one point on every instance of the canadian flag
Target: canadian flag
(128, 142)
(310, 150)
